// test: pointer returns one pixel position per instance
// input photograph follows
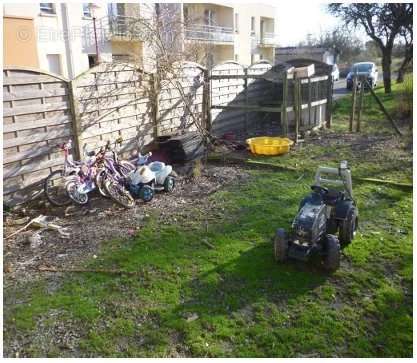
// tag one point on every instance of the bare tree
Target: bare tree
(163, 33)
(382, 22)
(407, 36)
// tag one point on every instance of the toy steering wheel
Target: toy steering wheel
(318, 189)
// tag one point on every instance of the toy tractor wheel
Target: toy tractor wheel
(348, 228)
(169, 184)
(332, 249)
(146, 193)
(280, 245)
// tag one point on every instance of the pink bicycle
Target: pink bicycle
(54, 185)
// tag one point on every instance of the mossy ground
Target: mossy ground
(234, 299)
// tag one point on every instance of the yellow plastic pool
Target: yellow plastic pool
(266, 145)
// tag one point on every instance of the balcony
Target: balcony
(267, 40)
(122, 27)
(209, 33)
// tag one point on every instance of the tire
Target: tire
(169, 184)
(280, 245)
(146, 193)
(56, 194)
(78, 198)
(331, 260)
(348, 228)
(119, 193)
(99, 180)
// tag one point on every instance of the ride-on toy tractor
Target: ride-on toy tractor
(327, 219)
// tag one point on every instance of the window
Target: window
(252, 58)
(54, 63)
(87, 10)
(92, 60)
(208, 17)
(252, 25)
(186, 15)
(237, 23)
(47, 8)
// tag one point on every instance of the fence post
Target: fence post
(352, 111)
(284, 115)
(76, 124)
(207, 101)
(361, 94)
(329, 105)
(155, 103)
(309, 101)
(246, 99)
(296, 106)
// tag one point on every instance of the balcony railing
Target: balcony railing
(209, 33)
(268, 39)
(124, 26)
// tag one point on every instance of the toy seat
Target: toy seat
(332, 197)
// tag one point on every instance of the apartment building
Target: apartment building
(240, 32)
(68, 38)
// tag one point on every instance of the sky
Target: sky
(308, 17)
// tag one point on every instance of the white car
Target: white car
(335, 72)
(364, 69)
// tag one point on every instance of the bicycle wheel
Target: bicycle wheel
(118, 193)
(99, 180)
(54, 188)
(74, 194)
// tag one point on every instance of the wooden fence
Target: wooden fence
(110, 100)
(36, 117)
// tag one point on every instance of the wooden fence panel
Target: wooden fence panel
(112, 100)
(173, 113)
(36, 118)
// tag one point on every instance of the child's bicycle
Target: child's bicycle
(54, 185)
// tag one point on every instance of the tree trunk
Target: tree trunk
(386, 68)
(401, 71)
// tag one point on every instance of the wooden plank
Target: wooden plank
(24, 110)
(243, 107)
(284, 116)
(329, 101)
(18, 126)
(23, 95)
(243, 76)
(314, 79)
(50, 135)
(305, 105)
(309, 102)
(17, 80)
(384, 110)
(358, 121)
(352, 111)
(30, 167)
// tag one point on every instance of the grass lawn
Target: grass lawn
(234, 300)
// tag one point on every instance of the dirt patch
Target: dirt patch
(102, 220)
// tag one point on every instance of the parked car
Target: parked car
(364, 69)
(335, 72)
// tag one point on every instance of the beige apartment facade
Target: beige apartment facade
(241, 32)
(69, 38)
